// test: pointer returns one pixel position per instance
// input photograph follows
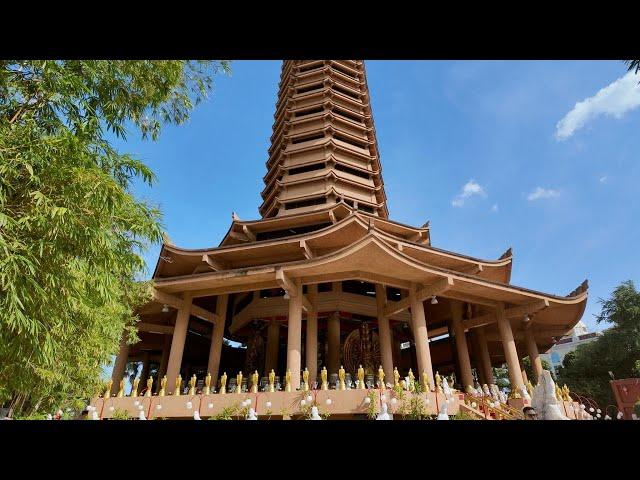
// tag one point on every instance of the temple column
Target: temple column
(164, 361)
(477, 358)
(120, 364)
(294, 335)
(311, 347)
(333, 337)
(215, 350)
(421, 337)
(534, 355)
(509, 346)
(273, 347)
(384, 332)
(177, 342)
(485, 358)
(461, 345)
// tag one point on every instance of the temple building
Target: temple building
(327, 279)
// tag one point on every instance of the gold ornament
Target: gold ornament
(381, 377)
(412, 382)
(176, 390)
(323, 377)
(223, 383)
(396, 377)
(425, 381)
(134, 388)
(272, 381)
(438, 383)
(121, 389)
(287, 380)
(305, 378)
(163, 387)
(254, 382)
(192, 384)
(207, 385)
(361, 384)
(341, 375)
(149, 390)
(107, 392)
(239, 382)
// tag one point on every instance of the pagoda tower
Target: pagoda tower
(325, 279)
(323, 148)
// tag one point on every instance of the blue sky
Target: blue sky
(541, 156)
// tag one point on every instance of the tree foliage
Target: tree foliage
(71, 232)
(617, 350)
(526, 366)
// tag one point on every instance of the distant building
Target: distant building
(577, 336)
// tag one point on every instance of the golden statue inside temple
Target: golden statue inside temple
(121, 389)
(438, 382)
(134, 387)
(223, 383)
(341, 377)
(412, 382)
(163, 387)
(207, 385)
(239, 382)
(361, 385)
(149, 391)
(396, 377)
(107, 392)
(323, 377)
(305, 379)
(287, 380)
(254, 382)
(192, 384)
(272, 381)
(425, 382)
(178, 385)
(381, 377)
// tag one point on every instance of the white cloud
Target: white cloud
(494, 207)
(540, 192)
(603, 179)
(614, 100)
(469, 189)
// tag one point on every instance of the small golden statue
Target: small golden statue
(305, 378)
(149, 391)
(223, 383)
(239, 382)
(134, 387)
(425, 382)
(558, 393)
(565, 393)
(176, 391)
(163, 386)
(529, 388)
(107, 392)
(515, 393)
(121, 389)
(192, 384)
(381, 377)
(207, 385)
(272, 381)
(361, 384)
(341, 375)
(287, 381)
(323, 377)
(396, 377)
(254, 382)
(438, 383)
(412, 382)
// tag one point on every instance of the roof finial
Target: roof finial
(234, 216)
(165, 239)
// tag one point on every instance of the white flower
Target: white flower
(303, 402)
(210, 405)
(591, 409)
(599, 411)
(140, 407)
(309, 398)
(367, 400)
(248, 400)
(329, 401)
(395, 400)
(189, 405)
(111, 409)
(268, 404)
(136, 403)
(607, 417)
(158, 407)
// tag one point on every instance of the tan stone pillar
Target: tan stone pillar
(177, 342)
(120, 364)
(384, 331)
(534, 355)
(477, 358)
(333, 337)
(461, 345)
(294, 335)
(421, 337)
(485, 358)
(311, 348)
(164, 361)
(509, 346)
(215, 350)
(273, 347)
